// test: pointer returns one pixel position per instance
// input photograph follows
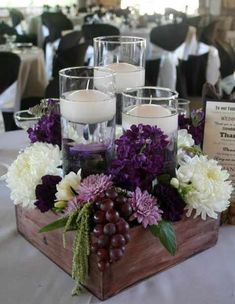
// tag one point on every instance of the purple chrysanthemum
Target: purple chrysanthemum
(145, 208)
(45, 192)
(170, 202)
(194, 125)
(47, 129)
(93, 187)
(73, 204)
(140, 157)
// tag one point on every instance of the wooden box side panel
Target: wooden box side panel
(144, 255)
(51, 244)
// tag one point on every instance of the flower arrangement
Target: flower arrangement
(101, 208)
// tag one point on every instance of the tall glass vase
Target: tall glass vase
(88, 109)
(126, 57)
(156, 107)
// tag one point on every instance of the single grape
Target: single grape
(103, 241)
(111, 193)
(106, 205)
(109, 229)
(99, 217)
(115, 254)
(94, 247)
(118, 240)
(96, 205)
(122, 226)
(126, 210)
(103, 265)
(127, 237)
(103, 254)
(98, 230)
(112, 216)
(121, 199)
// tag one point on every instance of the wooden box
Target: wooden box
(144, 255)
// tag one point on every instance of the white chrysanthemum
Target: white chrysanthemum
(184, 139)
(204, 186)
(25, 172)
(65, 186)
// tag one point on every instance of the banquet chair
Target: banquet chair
(167, 45)
(169, 37)
(91, 31)
(53, 89)
(194, 72)
(70, 52)
(16, 17)
(56, 22)
(10, 65)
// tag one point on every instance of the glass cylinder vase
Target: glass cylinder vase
(126, 57)
(88, 109)
(156, 107)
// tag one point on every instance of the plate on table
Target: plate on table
(25, 45)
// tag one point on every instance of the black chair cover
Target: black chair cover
(227, 58)
(70, 52)
(169, 37)
(10, 64)
(53, 89)
(16, 16)
(56, 23)
(194, 70)
(91, 31)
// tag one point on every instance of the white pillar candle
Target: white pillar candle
(127, 75)
(153, 115)
(88, 106)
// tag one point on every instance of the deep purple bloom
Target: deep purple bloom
(170, 202)
(47, 129)
(45, 192)
(145, 208)
(93, 187)
(140, 157)
(194, 125)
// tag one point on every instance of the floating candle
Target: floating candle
(153, 115)
(127, 75)
(88, 106)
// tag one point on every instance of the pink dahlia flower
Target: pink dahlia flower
(145, 208)
(73, 204)
(93, 187)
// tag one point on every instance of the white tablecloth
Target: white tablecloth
(31, 81)
(28, 277)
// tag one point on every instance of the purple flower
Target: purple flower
(45, 192)
(73, 203)
(93, 187)
(140, 157)
(194, 125)
(170, 202)
(145, 208)
(47, 129)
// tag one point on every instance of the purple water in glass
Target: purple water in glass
(93, 158)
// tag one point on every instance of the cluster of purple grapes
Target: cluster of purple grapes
(111, 230)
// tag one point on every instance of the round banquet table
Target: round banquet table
(27, 276)
(31, 81)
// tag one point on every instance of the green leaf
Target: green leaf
(166, 234)
(60, 223)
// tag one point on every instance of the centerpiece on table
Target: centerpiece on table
(112, 221)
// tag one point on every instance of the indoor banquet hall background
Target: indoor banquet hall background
(188, 43)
